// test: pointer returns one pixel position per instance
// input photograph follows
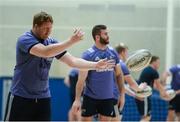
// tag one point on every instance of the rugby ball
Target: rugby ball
(171, 94)
(146, 91)
(139, 60)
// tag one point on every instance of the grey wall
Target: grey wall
(139, 24)
(177, 35)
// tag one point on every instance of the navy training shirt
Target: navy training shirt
(148, 75)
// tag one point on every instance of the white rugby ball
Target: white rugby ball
(146, 92)
(171, 93)
(139, 60)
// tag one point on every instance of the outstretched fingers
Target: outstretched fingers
(110, 64)
(105, 64)
(78, 33)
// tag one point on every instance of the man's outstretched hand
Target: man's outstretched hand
(105, 64)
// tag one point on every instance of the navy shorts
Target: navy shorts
(25, 109)
(92, 107)
(170, 105)
(144, 107)
(174, 104)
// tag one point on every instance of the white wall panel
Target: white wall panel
(138, 23)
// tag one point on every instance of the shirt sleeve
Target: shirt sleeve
(61, 54)
(26, 44)
(124, 68)
(53, 41)
(85, 56)
(156, 75)
(116, 57)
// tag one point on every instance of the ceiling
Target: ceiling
(76, 3)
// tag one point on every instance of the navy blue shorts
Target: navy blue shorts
(144, 107)
(25, 109)
(174, 104)
(92, 107)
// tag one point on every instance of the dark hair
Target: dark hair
(42, 17)
(97, 30)
(120, 47)
(153, 59)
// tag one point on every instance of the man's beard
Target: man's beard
(104, 41)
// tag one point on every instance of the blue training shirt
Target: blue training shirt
(100, 83)
(125, 72)
(31, 73)
(175, 83)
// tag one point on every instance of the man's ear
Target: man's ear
(97, 37)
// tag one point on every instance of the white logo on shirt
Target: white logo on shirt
(97, 58)
(103, 70)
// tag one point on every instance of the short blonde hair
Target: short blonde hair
(120, 47)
